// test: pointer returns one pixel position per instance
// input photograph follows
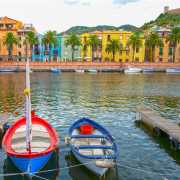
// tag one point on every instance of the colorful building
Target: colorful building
(21, 47)
(124, 55)
(8, 25)
(44, 53)
(66, 51)
(165, 53)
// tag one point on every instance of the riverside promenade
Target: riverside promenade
(100, 66)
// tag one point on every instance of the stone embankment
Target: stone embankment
(100, 66)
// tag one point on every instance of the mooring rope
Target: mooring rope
(40, 177)
(92, 161)
(146, 171)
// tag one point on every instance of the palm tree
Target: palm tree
(153, 41)
(30, 40)
(84, 47)
(174, 39)
(136, 42)
(49, 40)
(94, 43)
(113, 47)
(10, 40)
(73, 41)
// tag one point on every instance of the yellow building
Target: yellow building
(124, 55)
(8, 25)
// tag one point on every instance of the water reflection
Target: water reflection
(162, 141)
(53, 163)
(108, 98)
(80, 172)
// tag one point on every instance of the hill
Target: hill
(83, 29)
(164, 19)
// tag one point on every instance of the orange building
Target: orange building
(8, 25)
(21, 48)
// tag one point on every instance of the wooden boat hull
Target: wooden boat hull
(92, 71)
(31, 165)
(173, 70)
(7, 70)
(44, 142)
(55, 70)
(79, 70)
(132, 70)
(91, 166)
(148, 70)
(97, 151)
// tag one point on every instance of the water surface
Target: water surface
(110, 99)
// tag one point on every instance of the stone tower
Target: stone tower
(166, 9)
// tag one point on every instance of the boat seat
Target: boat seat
(34, 134)
(94, 147)
(35, 146)
(85, 152)
(35, 127)
(88, 136)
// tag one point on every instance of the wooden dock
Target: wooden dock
(160, 125)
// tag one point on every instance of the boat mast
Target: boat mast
(28, 108)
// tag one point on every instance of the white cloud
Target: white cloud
(60, 15)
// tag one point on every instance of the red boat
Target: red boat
(31, 140)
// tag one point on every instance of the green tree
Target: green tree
(84, 49)
(153, 41)
(73, 41)
(50, 39)
(113, 47)
(30, 40)
(94, 43)
(135, 41)
(174, 39)
(9, 41)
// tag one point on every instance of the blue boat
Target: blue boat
(93, 146)
(173, 70)
(148, 70)
(55, 70)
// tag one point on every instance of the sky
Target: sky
(60, 15)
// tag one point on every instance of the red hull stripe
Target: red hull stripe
(54, 140)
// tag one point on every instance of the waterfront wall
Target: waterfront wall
(45, 66)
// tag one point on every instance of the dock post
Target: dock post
(157, 131)
(138, 116)
(174, 144)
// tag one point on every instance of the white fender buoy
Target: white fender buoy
(105, 163)
(67, 140)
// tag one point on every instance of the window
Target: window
(9, 26)
(160, 59)
(137, 59)
(108, 37)
(85, 39)
(120, 53)
(19, 45)
(170, 51)
(137, 50)
(1, 25)
(127, 60)
(120, 60)
(160, 51)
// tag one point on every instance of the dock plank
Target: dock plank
(153, 119)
